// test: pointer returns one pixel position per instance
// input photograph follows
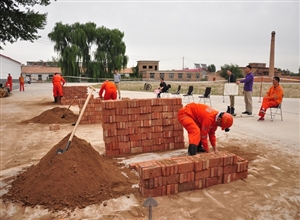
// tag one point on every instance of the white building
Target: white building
(9, 65)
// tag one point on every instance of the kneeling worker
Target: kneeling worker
(201, 121)
(110, 90)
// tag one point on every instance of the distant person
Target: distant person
(9, 82)
(231, 79)
(117, 80)
(58, 82)
(162, 87)
(248, 87)
(21, 81)
(28, 79)
(272, 98)
(201, 122)
(110, 91)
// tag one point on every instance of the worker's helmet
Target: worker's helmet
(227, 120)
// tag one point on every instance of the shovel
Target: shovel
(64, 115)
(61, 151)
(150, 202)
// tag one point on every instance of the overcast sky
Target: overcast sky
(207, 32)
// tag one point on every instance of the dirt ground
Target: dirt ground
(271, 191)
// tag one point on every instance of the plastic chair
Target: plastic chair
(177, 93)
(276, 111)
(189, 93)
(206, 95)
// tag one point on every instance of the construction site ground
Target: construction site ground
(271, 191)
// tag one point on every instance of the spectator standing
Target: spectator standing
(117, 80)
(231, 79)
(21, 81)
(248, 87)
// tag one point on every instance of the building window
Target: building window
(161, 75)
(171, 75)
(151, 67)
(155, 67)
(197, 75)
(39, 77)
(179, 75)
(189, 75)
(50, 76)
(152, 75)
(144, 67)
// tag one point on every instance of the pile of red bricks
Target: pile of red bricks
(93, 111)
(141, 125)
(71, 91)
(178, 174)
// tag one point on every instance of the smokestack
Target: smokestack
(272, 55)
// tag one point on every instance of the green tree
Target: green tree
(211, 68)
(74, 44)
(19, 21)
(235, 69)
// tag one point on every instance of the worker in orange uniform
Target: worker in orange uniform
(9, 82)
(201, 121)
(110, 90)
(21, 81)
(272, 98)
(58, 81)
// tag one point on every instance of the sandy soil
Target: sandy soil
(271, 191)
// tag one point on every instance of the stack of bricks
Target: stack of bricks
(178, 174)
(71, 91)
(133, 126)
(93, 111)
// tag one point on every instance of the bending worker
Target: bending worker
(110, 90)
(58, 81)
(272, 98)
(201, 121)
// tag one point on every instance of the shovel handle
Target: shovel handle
(80, 116)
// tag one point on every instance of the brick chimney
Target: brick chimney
(272, 55)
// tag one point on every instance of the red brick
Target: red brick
(184, 164)
(201, 183)
(241, 175)
(230, 168)
(182, 187)
(111, 153)
(150, 170)
(213, 181)
(202, 174)
(172, 179)
(227, 178)
(54, 127)
(154, 192)
(135, 150)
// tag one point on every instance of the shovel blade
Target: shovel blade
(60, 151)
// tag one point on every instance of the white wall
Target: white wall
(9, 66)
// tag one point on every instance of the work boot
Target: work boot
(228, 109)
(192, 149)
(232, 111)
(55, 99)
(200, 148)
(58, 99)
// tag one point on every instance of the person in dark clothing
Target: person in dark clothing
(162, 87)
(231, 79)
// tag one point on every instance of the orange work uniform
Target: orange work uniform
(200, 122)
(21, 80)
(9, 81)
(58, 81)
(110, 91)
(272, 99)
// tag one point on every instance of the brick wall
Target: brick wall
(70, 92)
(141, 125)
(178, 174)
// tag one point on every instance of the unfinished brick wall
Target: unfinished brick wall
(141, 125)
(71, 91)
(178, 174)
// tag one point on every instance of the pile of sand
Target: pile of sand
(77, 178)
(54, 116)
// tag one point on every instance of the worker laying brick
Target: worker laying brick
(110, 91)
(201, 121)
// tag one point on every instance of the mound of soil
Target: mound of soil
(54, 116)
(77, 178)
